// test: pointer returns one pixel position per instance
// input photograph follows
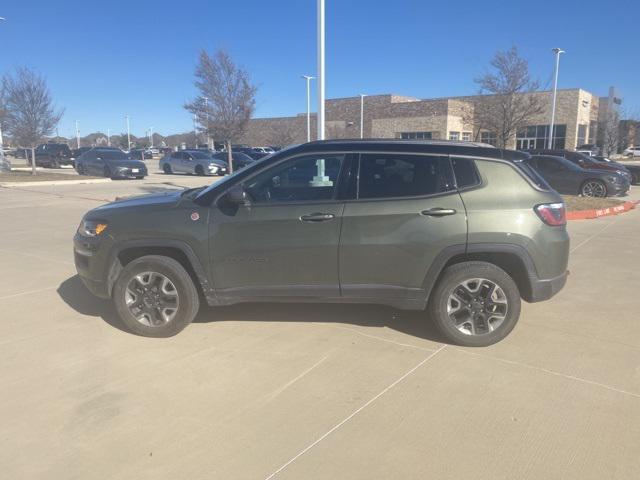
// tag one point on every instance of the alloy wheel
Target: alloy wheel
(152, 299)
(477, 306)
(594, 189)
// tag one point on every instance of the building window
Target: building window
(488, 137)
(536, 137)
(466, 136)
(416, 135)
(593, 130)
(582, 135)
(454, 135)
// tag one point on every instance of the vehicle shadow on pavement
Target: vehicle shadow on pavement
(414, 323)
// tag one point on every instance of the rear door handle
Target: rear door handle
(438, 212)
(317, 217)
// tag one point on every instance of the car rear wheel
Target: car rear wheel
(199, 170)
(475, 304)
(155, 296)
(106, 172)
(593, 188)
(166, 168)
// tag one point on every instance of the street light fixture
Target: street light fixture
(77, 135)
(362, 115)
(320, 69)
(557, 52)
(308, 79)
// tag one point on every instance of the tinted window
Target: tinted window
(465, 171)
(397, 175)
(309, 178)
(200, 155)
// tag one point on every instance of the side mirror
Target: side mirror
(236, 195)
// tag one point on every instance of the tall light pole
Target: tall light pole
(108, 137)
(206, 116)
(557, 51)
(320, 69)
(362, 115)
(308, 78)
(151, 136)
(128, 133)
(195, 131)
(77, 135)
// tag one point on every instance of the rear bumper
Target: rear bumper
(545, 289)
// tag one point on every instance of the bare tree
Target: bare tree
(504, 107)
(226, 101)
(30, 113)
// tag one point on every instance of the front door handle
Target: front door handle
(317, 217)
(438, 212)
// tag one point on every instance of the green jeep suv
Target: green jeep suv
(462, 230)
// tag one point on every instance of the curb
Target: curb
(47, 183)
(601, 212)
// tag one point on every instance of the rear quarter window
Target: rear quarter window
(531, 173)
(465, 172)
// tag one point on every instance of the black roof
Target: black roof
(444, 147)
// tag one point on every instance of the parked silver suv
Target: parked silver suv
(198, 162)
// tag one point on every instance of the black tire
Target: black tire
(596, 186)
(106, 172)
(188, 301)
(139, 178)
(55, 163)
(199, 170)
(452, 278)
(80, 169)
(166, 168)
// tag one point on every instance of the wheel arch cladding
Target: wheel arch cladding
(178, 251)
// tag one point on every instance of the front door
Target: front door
(284, 243)
(407, 211)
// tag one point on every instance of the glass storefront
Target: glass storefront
(536, 136)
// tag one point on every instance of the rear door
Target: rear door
(407, 210)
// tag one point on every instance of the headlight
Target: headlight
(91, 228)
(213, 168)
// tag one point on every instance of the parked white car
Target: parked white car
(632, 152)
(263, 149)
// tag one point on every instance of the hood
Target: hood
(126, 163)
(165, 200)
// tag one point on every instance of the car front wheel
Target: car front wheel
(593, 188)
(475, 304)
(155, 296)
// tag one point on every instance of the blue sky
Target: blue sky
(106, 59)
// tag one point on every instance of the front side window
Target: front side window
(398, 175)
(303, 179)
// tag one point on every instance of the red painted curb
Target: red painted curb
(601, 212)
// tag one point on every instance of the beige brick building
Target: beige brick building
(394, 116)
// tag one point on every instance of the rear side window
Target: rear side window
(398, 175)
(465, 172)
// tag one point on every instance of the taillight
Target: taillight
(553, 214)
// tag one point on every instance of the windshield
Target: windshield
(113, 155)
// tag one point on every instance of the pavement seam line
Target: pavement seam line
(27, 293)
(37, 257)
(278, 391)
(337, 426)
(594, 235)
(382, 339)
(551, 372)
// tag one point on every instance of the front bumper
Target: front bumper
(91, 261)
(129, 172)
(545, 289)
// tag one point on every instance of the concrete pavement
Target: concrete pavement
(299, 391)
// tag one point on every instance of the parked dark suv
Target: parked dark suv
(53, 155)
(464, 230)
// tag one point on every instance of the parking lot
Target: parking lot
(309, 391)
